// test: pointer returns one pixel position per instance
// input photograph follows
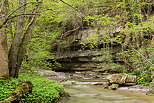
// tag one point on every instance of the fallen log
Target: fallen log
(25, 87)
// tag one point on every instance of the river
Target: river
(96, 94)
(84, 91)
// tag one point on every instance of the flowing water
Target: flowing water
(96, 94)
(84, 91)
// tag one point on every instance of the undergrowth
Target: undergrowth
(44, 90)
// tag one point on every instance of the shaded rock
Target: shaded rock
(67, 66)
(53, 75)
(62, 93)
(85, 59)
(113, 86)
(109, 68)
(81, 69)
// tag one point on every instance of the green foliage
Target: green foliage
(38, 50)
(38, 53)
(6, 87)
(60, 18)
(144, 78)
(44, 90)
(44, 32)
(121, 22)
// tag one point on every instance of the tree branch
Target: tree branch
(69, 32)
(70, 6)
(143, 57)
(8, 17)
(1, 25)
(17, 9)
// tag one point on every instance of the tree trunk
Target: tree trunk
(4, 72)
(26, 36)
(20, 42)
(13, 53)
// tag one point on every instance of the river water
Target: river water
(84, 91)
(96, 94)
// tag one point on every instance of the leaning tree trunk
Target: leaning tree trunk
(13, 53)
(21, 40)
(3, 42)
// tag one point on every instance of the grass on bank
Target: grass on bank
(44, 90)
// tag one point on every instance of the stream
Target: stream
(96, 94)
(89, 90)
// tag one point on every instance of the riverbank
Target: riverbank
(43, 90)
(135, 88)
(68, 78)
(85, 89)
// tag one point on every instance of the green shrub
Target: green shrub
(6, 87)
(44, 90)
(145, 78)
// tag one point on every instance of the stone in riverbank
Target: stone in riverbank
(122, 79)
(113, 86)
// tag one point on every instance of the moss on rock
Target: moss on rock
(24, 87)
(114, 87)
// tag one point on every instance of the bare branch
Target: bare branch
(69, 32)
(8, 17)
(70, 6)
(1, 25)
(20, 15)
(29, 24)
(17, 9)
(144, 57)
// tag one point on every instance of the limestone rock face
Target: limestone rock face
(76, 55)
(122, 79)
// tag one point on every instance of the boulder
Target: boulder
(122, 79)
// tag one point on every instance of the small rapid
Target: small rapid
(88, 90)
(82, 93)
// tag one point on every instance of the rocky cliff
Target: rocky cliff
(75, 52)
